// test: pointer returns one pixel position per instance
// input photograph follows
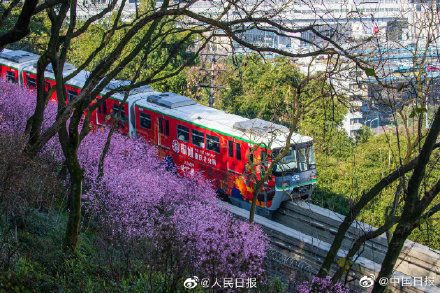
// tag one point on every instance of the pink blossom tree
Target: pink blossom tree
(137, 199)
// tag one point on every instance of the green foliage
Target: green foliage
(370, 71)
(363, 135)
(153, 57)
(345, 167)
(37, 263)
(342, 180)
(39, 27)
(258, 88)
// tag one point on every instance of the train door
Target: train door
(101, 111)
(163, 134)
(235, 156)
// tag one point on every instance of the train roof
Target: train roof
(78, 80)
(255, 131)
(49, 73)
(120, 95)
(15, 58)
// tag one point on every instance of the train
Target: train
(225, 148)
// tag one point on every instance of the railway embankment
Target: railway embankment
(301, 234)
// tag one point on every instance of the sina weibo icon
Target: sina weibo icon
(191, 283)
(176, 146)
(366, 281)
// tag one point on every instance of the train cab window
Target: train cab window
(212, 143)
(197, 138)
(31, 83)
(116, 108)
(71, 95)
(302, 158)
(10, 76)
(238, 151)
(182, 133)
(230, 148)
(145, 120)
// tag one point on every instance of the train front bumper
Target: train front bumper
(298, 191)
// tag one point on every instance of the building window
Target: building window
(197, 138)
(145, 120)
(231, 148)
(72, 95)
(238, 152)
(212, 143)
(10, 76)
(182, 133)
(31, 83)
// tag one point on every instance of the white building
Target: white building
(353, 120)
(352, 19)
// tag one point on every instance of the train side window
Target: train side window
(238, 151)
(31, 82)
(212, 143)
(116, 108)
(10, 76)
(160, 125)
(72, 95)
(145, 120)
(197, 138)
(182, 133)
(167, 127)
(231, 148)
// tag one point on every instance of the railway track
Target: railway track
(323, 225)
(415, 259)
(303, 232)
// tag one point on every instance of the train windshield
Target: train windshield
(297, 160)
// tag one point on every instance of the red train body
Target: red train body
(197, 138)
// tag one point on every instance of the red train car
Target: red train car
(196, 137)
(30, 79)
(218, 144)
(12, 63)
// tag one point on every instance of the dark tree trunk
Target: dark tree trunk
(357, 245)
(33, 127)
(70, 143)
(394, 248)
(73, 224)
(254, 200)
